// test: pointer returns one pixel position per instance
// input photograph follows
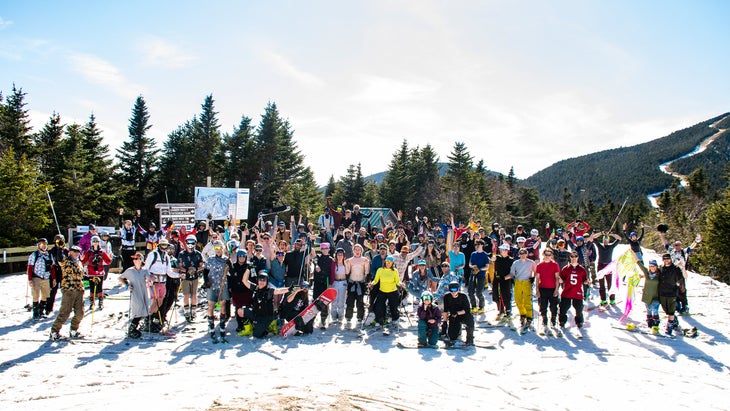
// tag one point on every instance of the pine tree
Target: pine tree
(426, 180)
(99, 166)
(353, 185)
(330, 187)
(176, 163)
(458, 179)
(302, 194)
(138, 162)
(46, 144)
(15, 124)
(25, 211)
(397, 187)
(208, 142)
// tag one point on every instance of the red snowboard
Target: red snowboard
(310, 312)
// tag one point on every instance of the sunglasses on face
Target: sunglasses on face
(136, 259)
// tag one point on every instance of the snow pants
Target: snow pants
(71, 300)
(523, 297)
(565, 304)
(337, 312)
(548, 299)
(427, 335)
(476, 290)
(392, 299)
(455, 324)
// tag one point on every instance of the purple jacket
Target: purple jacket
(432, 313)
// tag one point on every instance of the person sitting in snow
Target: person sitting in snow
(429, 317)
(261, 312)
(457, 312)
(293, 304)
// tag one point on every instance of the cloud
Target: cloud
(5, 23)
(377, 89)
(103, 73)
(287, 68)
(162, 53)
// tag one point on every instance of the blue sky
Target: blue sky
(523, 84)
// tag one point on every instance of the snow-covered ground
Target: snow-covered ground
(609, 369)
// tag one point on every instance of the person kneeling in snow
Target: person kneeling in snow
(457, 311)
(139, 280)
(261, 312)
(294, 303)
(429, 317)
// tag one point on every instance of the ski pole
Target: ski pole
(129, 313)
(174, 304)
(617, 215)
(91, 328)
(54, 211)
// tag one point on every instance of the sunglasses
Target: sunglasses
(573, 256)
(548, 253)
(136, 259)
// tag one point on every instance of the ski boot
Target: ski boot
(101, 303)
(247, 329)
(133, 332)
(273, 327)
(75, 334)
(223, 322)
(36, 312)
(55, 336)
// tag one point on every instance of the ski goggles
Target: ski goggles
(453, 289)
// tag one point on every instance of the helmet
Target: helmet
(163, 242)
(59, 237)
(426, 295)
(95, 239)
(152, 224)
(104, 233)
(579, 238)
(191, 237)
(340, 250)
(534, 232)
(633, 234)
(262, 275)
(495, 224)
(520, 227)
(454, 286)
(508, 237)
(520, 239)
(233, 244)
(217, 243)
(241, 253)
(304, 284)
(390, 258)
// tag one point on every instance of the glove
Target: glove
(474, 270)
(206, 284)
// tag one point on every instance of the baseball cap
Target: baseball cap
(653, 262)
(504, 247)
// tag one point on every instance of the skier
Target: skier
(85, 241)
(420, 279)
(572, 277)
(605, 256)
(95, 258)
(479, 262)
(190, 265)
(139, 280)
(532, 244)
(523, 271)
(680, 257)
(650, 295)
(261, 312)
(159, 265)
(240, 294)
(127, 231)
(670, 276)
(72, 298)
(547, 279)
(59, 252)
(217, 291)
(358, 268)
(502, 285)
(293, 304)
(457, 312)
(41, 277)
(388, 280)
(635, 241)
(172, 285)
(429, 318)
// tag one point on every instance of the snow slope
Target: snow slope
(609, 369)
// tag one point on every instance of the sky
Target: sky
(523, 84)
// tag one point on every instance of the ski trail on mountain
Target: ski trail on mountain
(666, 167)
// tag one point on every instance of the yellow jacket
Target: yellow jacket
(388, 279)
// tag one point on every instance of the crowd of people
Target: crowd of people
(268, 273)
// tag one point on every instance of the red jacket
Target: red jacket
(95, 260)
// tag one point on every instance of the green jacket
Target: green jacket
(651, 285)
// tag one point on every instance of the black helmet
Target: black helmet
(59, 237)
(495, 224)
(152, 224)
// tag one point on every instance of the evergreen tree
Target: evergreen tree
(302, 194)
(99, 167)
(207, 143)
(330, 187)
(46, 145)
(458, 179)
(138, 161)
(353, 185)
(15, 124)
(177, 166)
(238, 156)
(397, 187)
(426, 180)
(511, 180)
(25, 211)
(713, 256)
(698, 183)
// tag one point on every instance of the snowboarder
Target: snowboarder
(479, 262)
(59, 251)
(605, 256)
(139, 280)
(429, 318)
(159, 266)
(321, 277)
(261, 312)
(217, 291)
(457, 312)
(680, 258)
(41, 277)
(650, 295)
(72, 298)
(293, 304)
(240, 294)
(338, 279)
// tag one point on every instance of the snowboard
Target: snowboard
(308, 313)
(275, 210)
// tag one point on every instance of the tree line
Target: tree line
(71, 164)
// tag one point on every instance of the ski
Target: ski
(274, 210)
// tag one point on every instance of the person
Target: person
(650, 294)
(85, 240)
(190, 266)
(338, 279)
(680, 258)
(59, 252)
(448, 278)
(578, 228)
(572, 277)
(138, 279)
(358, 268)
(523, 272)
(586, 255)
(321, 278)
(532, 244)
(94, 259)
(670, 277)
(261, 312)
(159, 265)
(281, 233)
(240, 294)
(502, 284)
(547, 279)
(457, 259)
(327, 221)
(217, 291)
(479, 261)
(296, 262)
(388, 280)
(127, 231)
(429, 318)
(293, 304)
(106, 245)
(635, 241)
(420, 280)
(404, 258)
(72, 294)
(346, 243)
(561, 254)
(605, 256)
(41, 272)
(457, 312)
(172, 284)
